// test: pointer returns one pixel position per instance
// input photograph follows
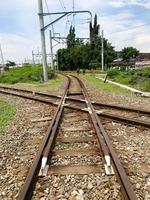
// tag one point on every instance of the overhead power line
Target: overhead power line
(66, 26)
(64, 8)
(132, 28)
(62, 4)
(49, 15)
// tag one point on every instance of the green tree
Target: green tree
(71, 38)
(85, 55)
(95, 42)
(94, 32)
(128, 53)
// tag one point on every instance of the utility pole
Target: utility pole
(2, 58)
(57, 62)
(102, 51)
(73, 14)
(51, 49)
(43, 46)
(33, 61)
(43, 28)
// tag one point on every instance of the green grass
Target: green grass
(51, 84)
(30, 76)
(7, 111)
(26, 74)
(105, 86)
(139, 79)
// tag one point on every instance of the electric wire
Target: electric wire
(129, 40)
(62, 4)
(132, 28)
(49, 16)
(66, 26)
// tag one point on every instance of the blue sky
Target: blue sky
(19, 25)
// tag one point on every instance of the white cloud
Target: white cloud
(84, 4)
(16, 47)
(117, 22)
(138, 37)
(122, 3)
(117, 4)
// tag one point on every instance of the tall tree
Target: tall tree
(71, 38)
(85, 55)
(94, 32)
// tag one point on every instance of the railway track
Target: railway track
(75, 103)
(125, 114)
(77, 145)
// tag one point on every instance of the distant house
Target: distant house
(2, 68)
(142, 60)
(120, 62)
(144, 57)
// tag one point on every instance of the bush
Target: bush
(139, 79)
(94, 65)
(146, 86)
(112, 73)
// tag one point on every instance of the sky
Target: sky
(125, 23)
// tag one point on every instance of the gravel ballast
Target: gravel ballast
(19, 144)
(131, 143)
(22, 138)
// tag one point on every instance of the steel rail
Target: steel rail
(103, 114)
(126, 120)
(30, 91)
(117, 118)
(102, 135)
(30, 97)
(49, 140)
(123, 119)
(119, 107)
(27, 190)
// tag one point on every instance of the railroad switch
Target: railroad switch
(65, 104)
(88, 110)
(108, 167)
(44, 167)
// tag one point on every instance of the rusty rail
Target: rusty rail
(123, 119)
(47, 146)
(107, 148)
(119, 107)
(114, 106)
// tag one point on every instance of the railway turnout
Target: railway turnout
(76, 132)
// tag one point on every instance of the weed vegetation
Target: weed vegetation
(25, 74)
(136, 78)
(7, 111)
(107, 87)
